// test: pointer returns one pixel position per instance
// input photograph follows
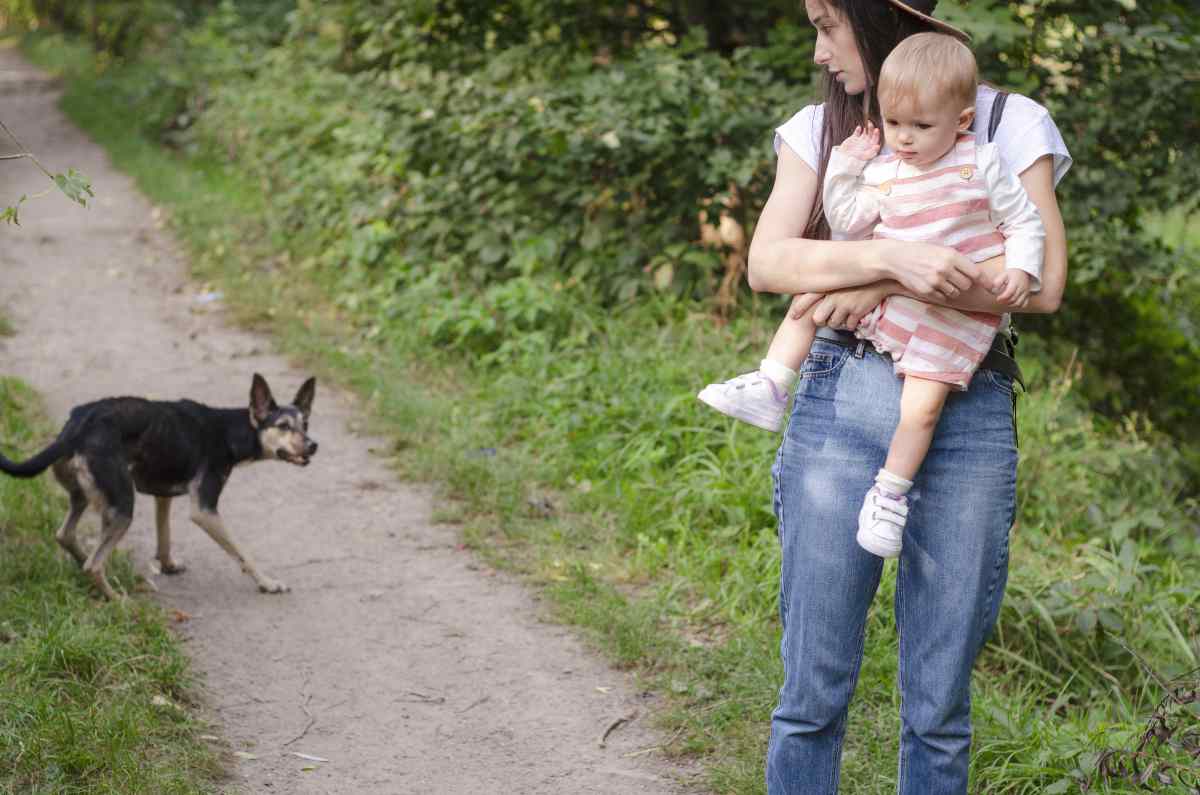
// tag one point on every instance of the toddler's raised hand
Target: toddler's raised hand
(863, 143)
(1012, 288)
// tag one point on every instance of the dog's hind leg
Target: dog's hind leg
(210, 522)
(115, 523)
(64, 473)
(162, 524)
(114, 499)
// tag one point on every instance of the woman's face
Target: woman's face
(836, 48)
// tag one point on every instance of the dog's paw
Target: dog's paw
(172, 567)
(272, 586)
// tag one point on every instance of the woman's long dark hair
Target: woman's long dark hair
(878, 27)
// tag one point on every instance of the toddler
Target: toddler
(937, 185)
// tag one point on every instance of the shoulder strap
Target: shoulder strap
(997, 113)
(1010, 368)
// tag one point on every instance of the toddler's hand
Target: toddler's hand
(863, 143)
(1012, 288)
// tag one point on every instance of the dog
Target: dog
(111, 447)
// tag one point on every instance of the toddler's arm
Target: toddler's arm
(850, 206)
(1018, 220)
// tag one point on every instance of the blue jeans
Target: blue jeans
(951, 574)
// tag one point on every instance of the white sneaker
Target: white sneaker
(752, 398)
(881, 523)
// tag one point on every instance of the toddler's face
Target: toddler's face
(922, 132)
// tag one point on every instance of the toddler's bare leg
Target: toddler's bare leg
(921, 402)
(793, 339)
(884, 513)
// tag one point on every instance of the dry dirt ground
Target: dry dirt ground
(397, 657)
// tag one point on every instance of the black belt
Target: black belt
(999, 358)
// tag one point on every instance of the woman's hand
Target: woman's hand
(842, 309)
(930, 272)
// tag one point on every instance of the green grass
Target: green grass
(94, 697)
(590, 469)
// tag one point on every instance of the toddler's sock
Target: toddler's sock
(783, 376)
(892, 485)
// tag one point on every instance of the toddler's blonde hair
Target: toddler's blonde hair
(929, 69)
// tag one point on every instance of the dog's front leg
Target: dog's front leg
(162, 524)
(210, 521)
(212, 524)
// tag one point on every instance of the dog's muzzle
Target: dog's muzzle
(310, 449)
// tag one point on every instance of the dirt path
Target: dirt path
(397, 657)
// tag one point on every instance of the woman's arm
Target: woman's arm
(781, 261)
(1038, 181)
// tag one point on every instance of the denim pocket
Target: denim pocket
(824, 359)
(999, 381)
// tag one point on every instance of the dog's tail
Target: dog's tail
(39, 463)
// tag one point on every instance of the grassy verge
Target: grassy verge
(94, 697)
(594, 473)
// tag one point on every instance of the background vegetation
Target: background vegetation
(493, 209)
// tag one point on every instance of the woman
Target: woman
(953, 568)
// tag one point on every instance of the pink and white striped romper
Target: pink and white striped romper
(947, 204)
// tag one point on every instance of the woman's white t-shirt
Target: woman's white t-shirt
(1026, 133)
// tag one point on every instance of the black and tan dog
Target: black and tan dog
(113, 446)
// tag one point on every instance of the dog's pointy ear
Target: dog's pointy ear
(261, 402)
(304, 397)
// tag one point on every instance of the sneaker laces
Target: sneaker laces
(893, 510)
(750, 379)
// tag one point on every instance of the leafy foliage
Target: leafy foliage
(74, 186)
(597, 134)
(1168, 752)
(461, 35)
(1121, 82)
(508, 173)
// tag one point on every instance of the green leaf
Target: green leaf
(1120, 528)
(663, 275)
(1111, 621)
(75, 186)
(11, 214)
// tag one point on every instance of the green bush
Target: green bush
(398, 141)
